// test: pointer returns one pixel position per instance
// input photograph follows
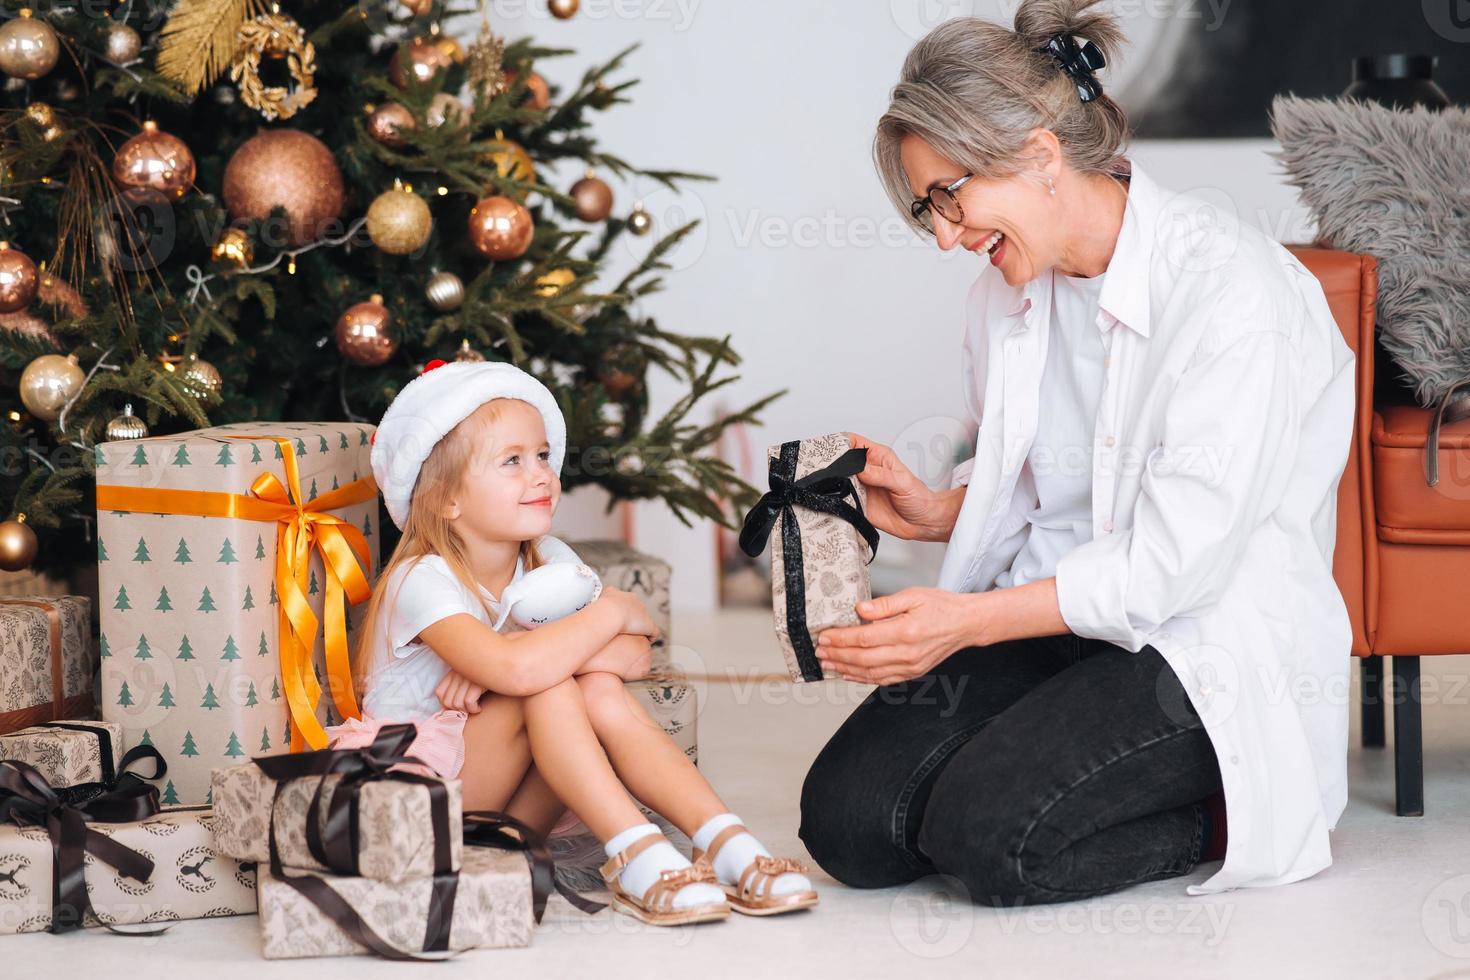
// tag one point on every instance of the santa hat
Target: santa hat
(435, 402)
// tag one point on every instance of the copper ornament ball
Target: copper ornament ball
(420, 59)
(364, 333)
(388, 122)
(290, 168)
(640, 222)
(19, 279)
(18, 546)
(500, 228)
(418, 7)
(451, 47)
(563, 9)
(592, 198)
(398, 221)
(203, 374)
(29, 47)
(48, 383)
(157, 160)
(538, 93)
(123, 44)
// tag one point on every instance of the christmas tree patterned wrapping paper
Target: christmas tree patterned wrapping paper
(36, 634)
(66, 753)
(190, 620)
(622, 567)
(189, 880)
(395, 828)
(492, 907)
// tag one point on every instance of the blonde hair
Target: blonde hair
(974, 90)
(428, 532)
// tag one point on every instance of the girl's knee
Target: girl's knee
(607, 701)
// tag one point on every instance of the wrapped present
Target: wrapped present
(394, 824)
(621, 567)
(819, 559)
(68, 753)
(230, 561)
(118, 859)
(47, 660)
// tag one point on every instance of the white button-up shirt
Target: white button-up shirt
(1221, 434)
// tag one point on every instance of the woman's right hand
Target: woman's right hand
(898, 501)
(633, 615)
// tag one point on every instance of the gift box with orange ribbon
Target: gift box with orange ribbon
(233, 564)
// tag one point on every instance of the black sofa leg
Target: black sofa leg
(1408, 738)
(1371, 685)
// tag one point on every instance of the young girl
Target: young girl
(468, 458)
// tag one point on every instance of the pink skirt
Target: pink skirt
(439, 743)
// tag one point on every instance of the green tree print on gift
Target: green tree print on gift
(206, 601)
(225, 459)
(210, 702)
(186, 650)
(122, 599)
(249, 599)
(125, 696)
(182, 554)
(181, 458)
(189, 749)
(227, 554)
(170, 795)
(250, 699)
(231, 651)
(165, 697)
(141, 552)
(163, 603)
(145, 652)
(234, 750)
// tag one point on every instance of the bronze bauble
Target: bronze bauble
(364, 333)
(593, 198)
(157, 160)
(123, 44)
(290, 168)
(19, 279)
(563, 9)
(28, 47)
(420, 59)
(18, 545)
(388, 122)
(500, 228)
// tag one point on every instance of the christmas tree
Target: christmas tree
(250, 212)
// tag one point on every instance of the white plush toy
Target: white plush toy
(549, 592)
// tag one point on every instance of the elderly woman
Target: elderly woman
(1136, 640)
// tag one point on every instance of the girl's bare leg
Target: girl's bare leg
(651, 766)
(497, 752)
(535, 803)
(573, 763)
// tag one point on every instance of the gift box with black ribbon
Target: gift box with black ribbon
(115, 859)
(821, 543)
(347, 811)
(79, 759)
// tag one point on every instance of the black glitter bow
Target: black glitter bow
(1078, 62)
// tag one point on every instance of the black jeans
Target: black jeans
(1040, 770)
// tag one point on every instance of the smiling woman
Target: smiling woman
(1139, 553)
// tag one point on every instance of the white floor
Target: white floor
(1395, 904)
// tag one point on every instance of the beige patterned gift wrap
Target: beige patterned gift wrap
(200, 658)
(395, 827)
(47, 660)
(647, 577)
(67, 753)
(820, 584)
(189, 881)
(492, 907)
(672, 702)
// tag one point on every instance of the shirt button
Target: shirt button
(1108, 526)
(1107, 360)
(1235, 760)
(1109, 441)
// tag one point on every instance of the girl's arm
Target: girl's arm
(522, 664)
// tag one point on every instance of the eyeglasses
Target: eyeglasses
(940, 199)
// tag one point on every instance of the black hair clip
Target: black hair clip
(1078, 62)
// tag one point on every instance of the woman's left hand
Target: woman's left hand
(907, 634)
(458, 693)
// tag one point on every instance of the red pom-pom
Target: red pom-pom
(373, 439)
(435, 363)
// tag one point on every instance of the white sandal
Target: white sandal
(751, 894)
(656, 906)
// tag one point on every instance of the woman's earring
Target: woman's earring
(1051, 185)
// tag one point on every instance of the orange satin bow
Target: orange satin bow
(302, 527)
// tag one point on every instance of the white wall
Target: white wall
(801, 258)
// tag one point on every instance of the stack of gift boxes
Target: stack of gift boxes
(202, 669)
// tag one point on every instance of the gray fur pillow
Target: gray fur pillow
(1394, 185)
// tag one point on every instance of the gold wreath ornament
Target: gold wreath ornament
(274, 35)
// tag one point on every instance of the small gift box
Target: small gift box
(822, 543)
(67, 753)
(156, 865)
(647, 577)
(489, 902)
(47, 660)
(370, 822)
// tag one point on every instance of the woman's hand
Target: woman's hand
(633, 615)
(458, 693)
(898, 501)
(628, 655)
(907, 634)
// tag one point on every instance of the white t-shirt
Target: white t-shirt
(404, 670)
(1061, 457)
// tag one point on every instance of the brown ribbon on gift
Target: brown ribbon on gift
(26, 798)
(60, 706)
(337, 848)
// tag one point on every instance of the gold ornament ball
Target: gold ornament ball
(156, 160)
(290, 168)
(125, 426)
(445, 108)
(43, 117)
(19, 279)
(592, 198)
(466, 353)
(203, 375)
(420, 59)
(388, 122)
(451, 47)
(364, 333)
(234, 247)
(563, 9)
(511, 160)
(554, 281)
(398, 221)
(445, 291)
(123, 44)
(18, 545)
(28, 47)
(500, 228)
(640, 222)
(48, 383)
